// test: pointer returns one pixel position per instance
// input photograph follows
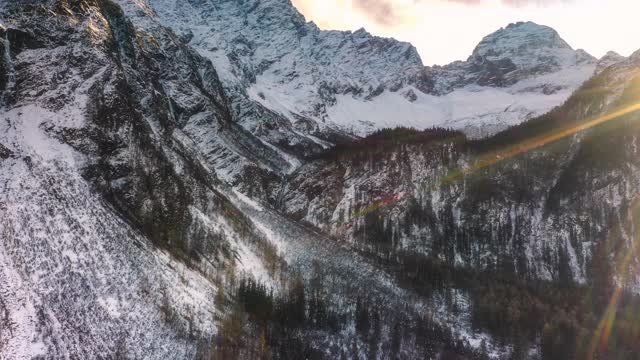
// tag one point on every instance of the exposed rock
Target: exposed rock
(609, 59)
(410, 95)
(5, 153)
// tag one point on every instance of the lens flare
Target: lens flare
(602, 333)
(493, 158)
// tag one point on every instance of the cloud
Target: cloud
(380, 11)
(516, 3)
(388, 12)
(519, 3)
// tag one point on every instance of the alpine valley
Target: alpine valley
(220, 179)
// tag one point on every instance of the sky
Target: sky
(448, 30)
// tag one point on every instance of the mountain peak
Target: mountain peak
(608, 59)
(519, 39)
(532, 48)
(528, 26)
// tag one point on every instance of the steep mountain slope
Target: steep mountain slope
(536, 200)
(113, 231)
(119, 240)
(76, 280)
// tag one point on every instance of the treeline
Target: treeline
(296, 322)
(561, 320)
(262, 325)
(584, 102)
(386, 140)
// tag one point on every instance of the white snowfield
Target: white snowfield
(478, 111)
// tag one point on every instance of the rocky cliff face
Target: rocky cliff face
(113, 228)
(528, 201)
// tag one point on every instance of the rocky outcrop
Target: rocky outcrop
(609, 59)
(4, 152)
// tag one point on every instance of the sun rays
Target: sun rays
(493, 158)
(603, 332)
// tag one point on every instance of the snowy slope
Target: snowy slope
(75, 279)
(477, 110)
(92, 264)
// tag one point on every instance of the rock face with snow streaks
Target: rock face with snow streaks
(112, 225)
(539, 213)
(153, 152)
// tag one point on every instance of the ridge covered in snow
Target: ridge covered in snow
(319, 82)
(517, 73)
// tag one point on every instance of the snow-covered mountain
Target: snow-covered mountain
(117, 237)
(356, 83)
(298, 89)
(517, 73)
(153, 153)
